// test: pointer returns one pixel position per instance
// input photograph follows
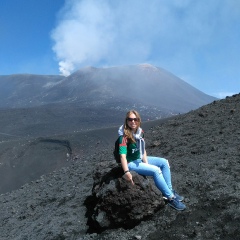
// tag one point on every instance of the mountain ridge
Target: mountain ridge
(104, 84)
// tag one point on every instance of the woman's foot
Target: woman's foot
(177, 196)
(176, 204)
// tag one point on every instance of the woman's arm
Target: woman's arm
(144, 158)
(127, 173)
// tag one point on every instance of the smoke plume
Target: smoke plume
(160, 32)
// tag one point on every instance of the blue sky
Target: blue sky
(196, 40)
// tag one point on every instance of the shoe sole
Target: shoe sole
(179, 209)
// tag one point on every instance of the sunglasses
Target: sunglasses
(133, 119)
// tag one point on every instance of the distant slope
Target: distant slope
(143, 85)
(24, 90)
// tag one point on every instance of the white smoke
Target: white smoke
(83, 35)
(160, 32)
(65, 67)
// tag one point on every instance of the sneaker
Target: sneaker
(165, 198)
(174, 203)
(178, 197)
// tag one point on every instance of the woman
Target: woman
(134, 158)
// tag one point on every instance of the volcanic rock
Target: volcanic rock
(115, 202)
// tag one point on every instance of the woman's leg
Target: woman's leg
(163, 164)
(154, 171)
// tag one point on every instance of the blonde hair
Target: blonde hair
(127, 130)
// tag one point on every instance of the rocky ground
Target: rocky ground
(203, 147)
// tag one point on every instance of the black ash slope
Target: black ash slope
(203, 147)
(33, 150)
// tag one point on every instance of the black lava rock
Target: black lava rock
(116, 203)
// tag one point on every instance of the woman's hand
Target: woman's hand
(128, 176)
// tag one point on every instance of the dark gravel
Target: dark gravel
(203, 147)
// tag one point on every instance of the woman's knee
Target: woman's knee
(159, 162)
(167, 163)
(156, 170)
(152, 170)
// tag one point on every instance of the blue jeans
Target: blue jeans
(159, 169)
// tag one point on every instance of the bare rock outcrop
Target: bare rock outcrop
(115, 202)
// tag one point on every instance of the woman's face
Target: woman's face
(132, 122)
